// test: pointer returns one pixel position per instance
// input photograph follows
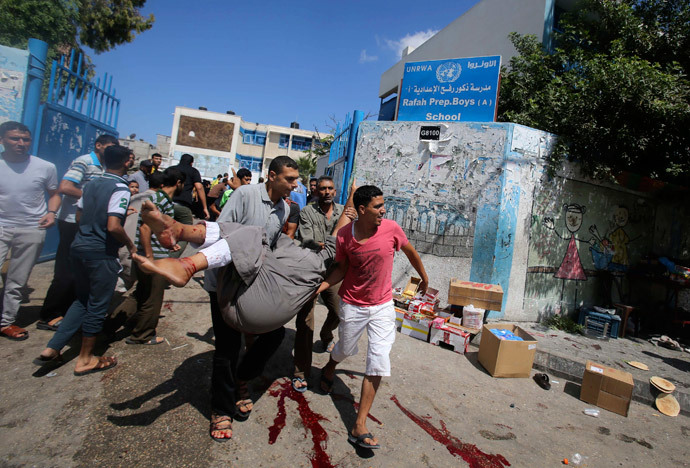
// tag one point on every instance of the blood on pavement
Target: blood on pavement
(310, 419)
(468, 452)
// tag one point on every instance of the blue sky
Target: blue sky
(271, 62)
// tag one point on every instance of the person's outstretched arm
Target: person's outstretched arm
(416, 262)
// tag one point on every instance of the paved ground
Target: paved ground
(439, 409)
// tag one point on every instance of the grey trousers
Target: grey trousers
(25, 245)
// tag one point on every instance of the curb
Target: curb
(565, 368)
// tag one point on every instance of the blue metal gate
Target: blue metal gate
(342, 154)
(75, 113)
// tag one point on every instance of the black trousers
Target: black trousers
(228, 368)
(61, 293)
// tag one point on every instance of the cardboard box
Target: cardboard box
(502, 358)
(607, 388)
(452, 336)
(484, 296)
(410, 290)
(416, 327)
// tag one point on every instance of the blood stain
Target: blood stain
(468, 452)
(597, 347)
(352, 376)
(310, 419)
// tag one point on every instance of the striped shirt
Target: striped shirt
(165, 206)
(82, 170)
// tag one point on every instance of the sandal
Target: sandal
(243, 401)
(359, 440)
(45, 325)
(301, 389)
(220, 424)
(104, 363)
(14, 333)
(44, 361)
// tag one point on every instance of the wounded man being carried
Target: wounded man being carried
(259, 288)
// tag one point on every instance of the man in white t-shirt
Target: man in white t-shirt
(24, 216)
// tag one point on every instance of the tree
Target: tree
(72, 24)
(615, 89)
(306, 165)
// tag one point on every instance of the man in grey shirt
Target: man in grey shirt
(24, 216)
(252, 205)
(316, 222)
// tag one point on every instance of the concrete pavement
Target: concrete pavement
(438, 409)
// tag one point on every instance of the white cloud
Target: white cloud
(414, 40)
(364, 57)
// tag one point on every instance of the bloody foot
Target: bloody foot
(178, 271)
(166, 229)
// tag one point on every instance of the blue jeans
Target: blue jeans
(95, 284)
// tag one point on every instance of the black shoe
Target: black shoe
(543, 381)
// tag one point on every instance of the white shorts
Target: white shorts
(379, 322)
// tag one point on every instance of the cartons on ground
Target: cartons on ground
(503, 358)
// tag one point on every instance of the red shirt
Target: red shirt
(368, 281)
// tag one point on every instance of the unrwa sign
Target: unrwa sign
(458, 90)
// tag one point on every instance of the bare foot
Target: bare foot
(166, 229)
(177, 271)
(95, 364)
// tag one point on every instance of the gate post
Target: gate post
(350, 156)
(38, 53)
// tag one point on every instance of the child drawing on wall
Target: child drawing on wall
(571, 267)
(616, 241)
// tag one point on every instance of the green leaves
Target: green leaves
(72, 24)
(615, 90)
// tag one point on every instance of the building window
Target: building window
(248, 162)
(301, 143)
(284, 140)
(253, 137)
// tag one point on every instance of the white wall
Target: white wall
(483, 30)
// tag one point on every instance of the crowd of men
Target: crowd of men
(100, 211)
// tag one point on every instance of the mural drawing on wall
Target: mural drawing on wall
(610, 252)
(583, 239)
(571, 267)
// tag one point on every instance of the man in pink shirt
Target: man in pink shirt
(364, 253)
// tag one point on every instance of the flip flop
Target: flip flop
(359, 441)
(301, 389)
(44, 361)
(111, 362)
(330, 346)
(43, 325)
(14, 333)
(152, 342)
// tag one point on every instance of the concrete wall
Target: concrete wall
(462, 201)
(13, 67)
(479, 206)
(483, 30)
(612, 228)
